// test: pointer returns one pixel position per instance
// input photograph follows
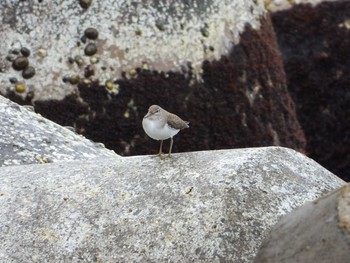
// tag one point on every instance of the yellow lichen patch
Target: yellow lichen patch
(126, 114)
(109, 84)
(94, 60)
(48, 234)
(124, 196)
(112, 87)
(94, 193)
(42, 52)
(345, 24)
(133, 72)
(41, 159)
(267, 4)
(145, 66)
(86, 81)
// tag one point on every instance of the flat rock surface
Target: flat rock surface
(28, 138)
(211, 206)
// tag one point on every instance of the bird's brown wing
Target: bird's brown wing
(176, 122)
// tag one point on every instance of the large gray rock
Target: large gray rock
(27, 138)
(316, 232)
(160, 35)
(214, 206)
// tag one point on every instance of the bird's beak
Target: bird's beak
(147, 115)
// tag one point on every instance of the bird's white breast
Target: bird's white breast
(157, 131)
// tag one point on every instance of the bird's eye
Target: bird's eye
(157, 110)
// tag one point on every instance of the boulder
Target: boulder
(216, 63)
(319, 232)
(314, 42)
(28, 138)
(210, 206)
(114, 38)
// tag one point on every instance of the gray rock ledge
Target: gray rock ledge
(211, 206)
(28, 138)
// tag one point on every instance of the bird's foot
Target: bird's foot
(160, 154)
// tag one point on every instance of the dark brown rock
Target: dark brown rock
(83, 39)
(74, 79)
(25, 52)
(243, 101)
(91, 33)
(315, 42)
(90, 49)
(71, 106)
(85, 3)
(15, 51)
(89, 71)
(20, 63)
(28, 72)
(13, 80)
(11, 57)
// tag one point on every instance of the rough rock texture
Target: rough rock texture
(316, 232)
(242, 102)
(27, 138)
(214, 206)
(158, 35)
(314, 42)
(214, 62)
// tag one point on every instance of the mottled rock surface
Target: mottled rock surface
(157, 35)
(243, 101)
(316, 232)
(209, 206)
(314, 42)
(28, 138)
(214, 62)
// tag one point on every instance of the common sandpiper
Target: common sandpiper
(160, 125)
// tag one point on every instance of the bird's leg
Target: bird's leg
(160, 149)
(171, 146)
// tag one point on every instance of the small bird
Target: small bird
(160, 124)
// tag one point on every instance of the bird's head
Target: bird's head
(154, 110)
